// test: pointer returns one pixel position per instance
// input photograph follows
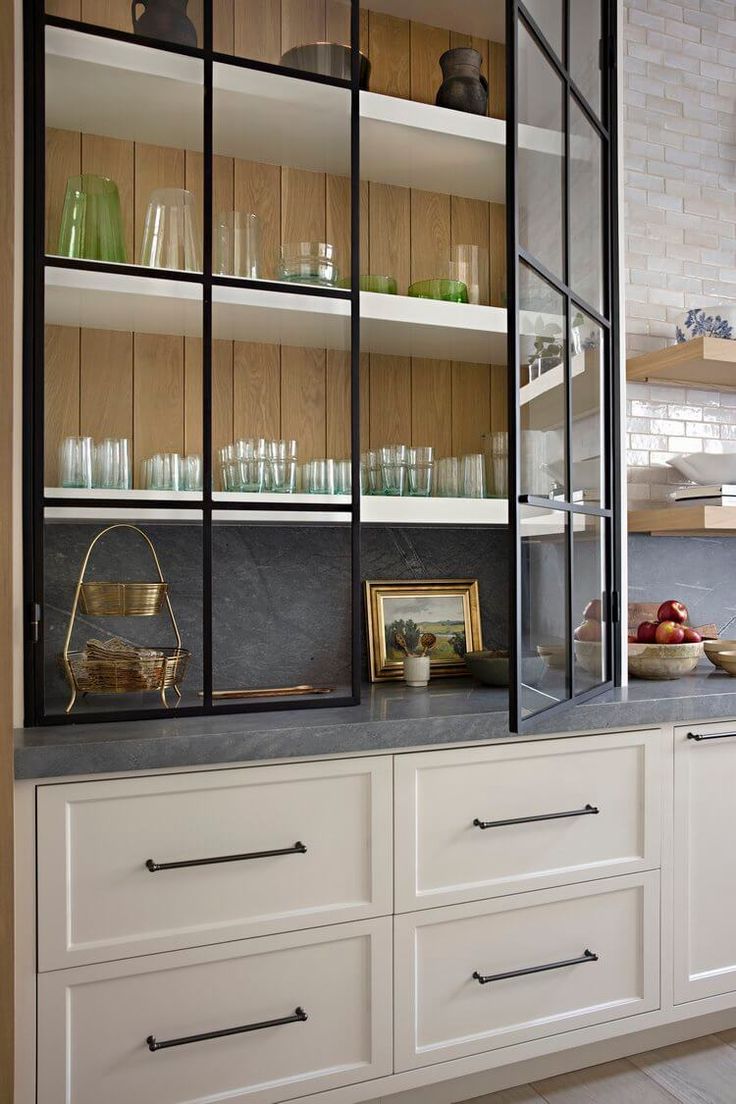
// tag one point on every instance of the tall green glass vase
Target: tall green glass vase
(92, 220)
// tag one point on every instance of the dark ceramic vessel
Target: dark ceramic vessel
(166, 20)
(464, 88)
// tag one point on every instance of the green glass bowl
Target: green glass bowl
(383, 285)
(451, 291)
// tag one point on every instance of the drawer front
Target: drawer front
(483, 822)
(95, 1023)
(98, 901)
(599, 944)
(705, 861)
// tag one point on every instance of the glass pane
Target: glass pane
(542, 323)
(588, 412)
(589, 588)
(311, 37)
(180, 24)
(118, 661)
(271, 626)
(547, 14)
(544, 651)
(585, 46)
(541, 156)
(586, 209)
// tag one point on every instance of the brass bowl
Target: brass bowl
(727, 662)
(122, 599)
(713, 649)
(327, 59)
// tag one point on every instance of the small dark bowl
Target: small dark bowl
(490, 668)
(327, 59)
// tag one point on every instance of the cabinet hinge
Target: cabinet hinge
(35, 622)
(615, 607)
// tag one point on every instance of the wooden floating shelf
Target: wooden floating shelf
(391, 324)
(103, 86)
(698, 520)
(708, 362)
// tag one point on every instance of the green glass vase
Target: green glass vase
(92, 220)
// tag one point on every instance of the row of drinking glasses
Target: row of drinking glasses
(84, 463)
(169, 471)
(254, 465)
(399, 470)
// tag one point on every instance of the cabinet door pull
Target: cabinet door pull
(155, 1044)
(586, 956)
(588, 810)
(698, 736)
(298, 849)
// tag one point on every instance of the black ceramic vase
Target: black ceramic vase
(464, 88)
(166, 20)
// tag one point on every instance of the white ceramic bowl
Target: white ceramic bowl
(663, 661)
(706, 468)
(586, 474)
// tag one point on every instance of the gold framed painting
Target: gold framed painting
(447, 608)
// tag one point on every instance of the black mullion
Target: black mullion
(238, 62)
(564, 507)
(281, 287)
(355, 534)
(50, 260)
(287, 507)
(569, 612)
(531, 261)
(206, 361)
(97, 31)
(127, 504)
(614, 383)
(588, 111)
(514, 372)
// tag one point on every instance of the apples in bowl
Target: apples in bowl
(666, 648)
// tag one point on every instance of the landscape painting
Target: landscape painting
(403, 616)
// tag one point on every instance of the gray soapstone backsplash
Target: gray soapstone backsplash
(700, 571)
(281, 596)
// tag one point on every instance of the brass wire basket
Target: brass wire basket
(116, 668)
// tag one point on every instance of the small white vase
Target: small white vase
(416, 670)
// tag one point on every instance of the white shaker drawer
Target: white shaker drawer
(97, 1024)
(550, 961)
(483, 822)
(306, 844)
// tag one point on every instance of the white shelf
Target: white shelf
(280, 318)
(133, 496)
(111, 301)
(402, 326)
(375, 510)
(102, 86)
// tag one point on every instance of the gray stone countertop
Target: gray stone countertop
(391, 717)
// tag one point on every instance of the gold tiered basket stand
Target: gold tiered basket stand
(156, 669)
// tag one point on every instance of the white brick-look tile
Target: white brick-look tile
(679, 89)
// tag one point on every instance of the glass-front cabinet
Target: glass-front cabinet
(319, 294)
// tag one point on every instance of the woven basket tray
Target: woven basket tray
(122, 599)
(163, 669)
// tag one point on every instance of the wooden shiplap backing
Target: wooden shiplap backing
(149, 387)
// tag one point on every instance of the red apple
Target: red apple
(633, 638)
(589, 630)
(593, 611)
(691, 636)
(669, 632)
(673, 611)
(647, 632)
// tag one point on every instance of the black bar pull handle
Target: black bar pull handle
(698, 736)
(155, 1044)
(588, 810)
(298, 849)
(586, 956)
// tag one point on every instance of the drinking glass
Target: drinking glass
(448, 477)
(393, 469)
(237, 244)
(112, 464)
(322, 477)
(171, 231)
(75, 462)
(421, 472)
(282, 474)
(473, 476)
(496, 450)
(92, 221)
(343, 477)
(470, 266)
(165, 472)
(251, 474)
(371, 473)
(191, 473)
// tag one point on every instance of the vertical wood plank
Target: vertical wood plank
(430, 235)
(257, 32)
(338, 404)
(497, 80)
(337, 21)
(257, 390)
(155, 167)
(390, 242)
(257, 189)
(470, 225)
(431, 404)
(302, 21)
(65, 9)
(193, 395)
(365, 401)
(390, 400)
(195, 11)
(158, 397)
(471, 406)
(497, 254)
(365, 227)
(106, 384)
(427, 46)
(63, 159)
(389, 48)
(303, 400)
(338, 221)
(499, 398)
(113, 158)
(222, 400)
(223, 26)
(303, 206)
(114, 14)
(61, 394)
